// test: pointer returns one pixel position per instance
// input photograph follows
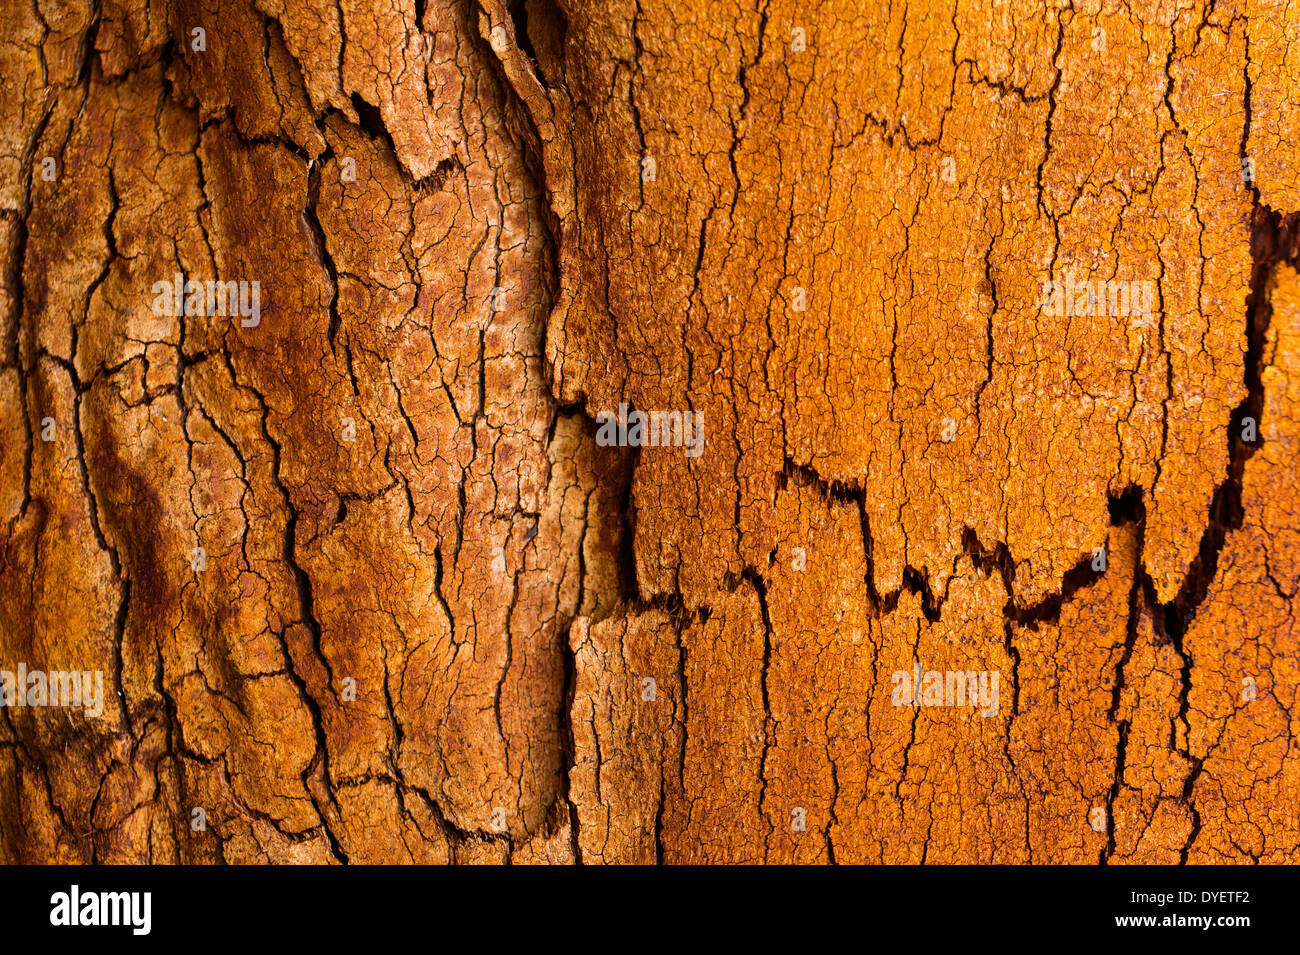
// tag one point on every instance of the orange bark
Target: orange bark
(363, 582)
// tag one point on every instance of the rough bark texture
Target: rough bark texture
(433, 620)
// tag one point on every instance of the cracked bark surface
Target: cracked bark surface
(467, 632)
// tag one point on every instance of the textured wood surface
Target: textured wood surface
(365, 585)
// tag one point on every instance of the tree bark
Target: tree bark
(363, 580)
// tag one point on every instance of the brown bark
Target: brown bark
(360, 580)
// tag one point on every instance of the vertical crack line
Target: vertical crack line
(308, 618)
(769, 728)
(320, 247)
